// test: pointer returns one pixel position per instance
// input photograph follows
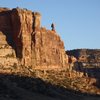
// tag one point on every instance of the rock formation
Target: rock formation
(23, 42)
(88, 57)
(29, 52)
(87, 61)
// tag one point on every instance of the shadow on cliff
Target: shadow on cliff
(13, 86)
(6, 28)
(92, 72)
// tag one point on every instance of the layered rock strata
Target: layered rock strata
(87, 61)
(88, 57)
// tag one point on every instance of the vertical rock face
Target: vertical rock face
(47, 50)
(6, 25)
(7, 52)
(33, 46)
(23, 19)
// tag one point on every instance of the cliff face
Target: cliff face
(29, 44)
(47, 50)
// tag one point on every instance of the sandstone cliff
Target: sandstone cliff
(23, 42)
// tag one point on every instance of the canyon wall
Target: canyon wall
(23, 42)
(88, 57)
(87, 61)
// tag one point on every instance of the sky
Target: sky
(76, 21)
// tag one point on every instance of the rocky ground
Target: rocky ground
(48, 85)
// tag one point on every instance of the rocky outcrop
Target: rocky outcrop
(33, 46)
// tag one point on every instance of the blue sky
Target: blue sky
(76, 21)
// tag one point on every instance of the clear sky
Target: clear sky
(76, 21)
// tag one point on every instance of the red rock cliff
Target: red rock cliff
(34, 46)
